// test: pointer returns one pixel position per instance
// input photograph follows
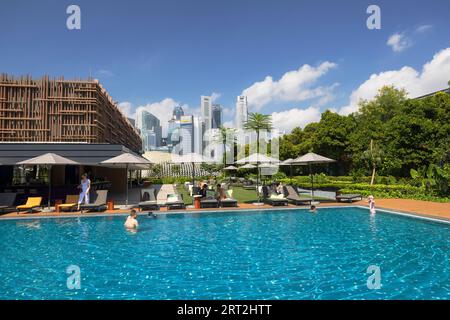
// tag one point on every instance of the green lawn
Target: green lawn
(240, 194)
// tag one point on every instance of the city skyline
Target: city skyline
(294, 69)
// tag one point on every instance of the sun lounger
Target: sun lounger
(292, 196)
(99, 203)
(229, 201)
(209, 201)
(269, 198)
(31, 204)
(70, 204)
(148, 200)
(348, 197)
(7, 200)
(175, 201)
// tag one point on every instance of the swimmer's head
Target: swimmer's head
(133, 213)
(313, 208)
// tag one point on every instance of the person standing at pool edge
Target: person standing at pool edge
(372, 204)
(85, 187)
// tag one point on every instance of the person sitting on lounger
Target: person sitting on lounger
(279, 188)
(131, 222)
(221, 194)
(203, 190)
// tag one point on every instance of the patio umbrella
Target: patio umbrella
(49, 159)
(230, 168)
(247, 166)
(191, 158)
(257, 158)
(310, 159)
(127, 160)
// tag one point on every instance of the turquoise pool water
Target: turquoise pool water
(288, 254)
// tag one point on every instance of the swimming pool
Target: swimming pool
(276, 254)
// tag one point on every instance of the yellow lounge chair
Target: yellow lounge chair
(32, 202)
(70, 203)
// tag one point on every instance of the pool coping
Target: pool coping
(183, 212)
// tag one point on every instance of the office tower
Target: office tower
(198, 135)
(241, 112)
(186, 135)
(173, 133)
(206, 111)
(216, 116)
(177, 112)
(150, 130)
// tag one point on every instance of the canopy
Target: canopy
(248, 166)
(230, 168)
(50, 159)
(312, 158)
(190, 158)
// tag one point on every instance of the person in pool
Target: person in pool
(131, 222)
(313, 209)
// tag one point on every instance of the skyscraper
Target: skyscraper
(216, 116)
(178, 112)
(241, 112)
(186, 135)
(206, 111)
(150, 130)
(198, 135)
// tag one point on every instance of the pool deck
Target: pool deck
(426, 209)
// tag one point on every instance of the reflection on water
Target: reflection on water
(34, 224)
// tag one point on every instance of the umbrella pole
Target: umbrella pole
(193, 175)
(126, 201)
(312, 182)
(49, 185)
(290, 173)
(257, 181)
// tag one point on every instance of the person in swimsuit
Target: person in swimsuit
(85, 187)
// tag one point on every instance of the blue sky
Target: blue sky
(154, 54)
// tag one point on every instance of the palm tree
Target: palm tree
(374, 156)
(225, 136)
(257, 122)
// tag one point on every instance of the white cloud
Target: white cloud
(126, 108)
(399, 42)
(434, 76)
(215, 96)
(293, 86)
(424, 28)
(292, 118)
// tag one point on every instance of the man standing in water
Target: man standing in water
(131, 222)
(85, 187)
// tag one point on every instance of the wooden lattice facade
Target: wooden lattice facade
(58, 110)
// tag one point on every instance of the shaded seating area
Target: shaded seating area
(31, 204)
(294, 197)
(348, 197)
(70, 204)
(7, 201)
(272, 198)
(99, 203)
(148, 200)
